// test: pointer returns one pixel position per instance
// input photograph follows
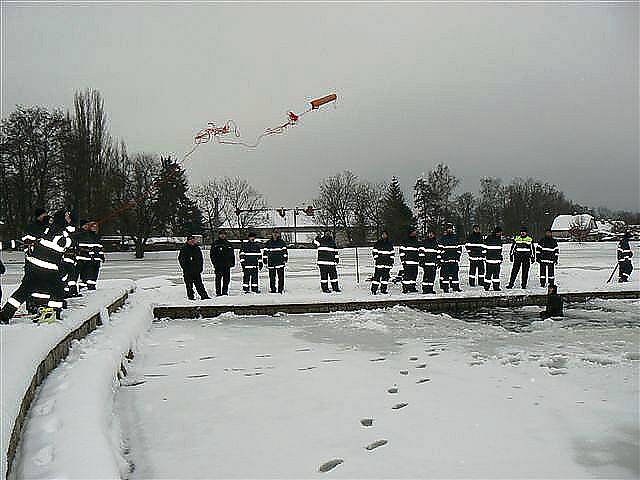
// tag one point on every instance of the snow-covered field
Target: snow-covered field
(271, 397)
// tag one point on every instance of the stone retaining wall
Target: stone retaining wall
(434, 304)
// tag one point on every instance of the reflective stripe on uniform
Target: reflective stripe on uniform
(42, 263)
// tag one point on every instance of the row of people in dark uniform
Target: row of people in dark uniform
(444, 253)
(60, 259)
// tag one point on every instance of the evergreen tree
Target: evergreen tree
(396, 214)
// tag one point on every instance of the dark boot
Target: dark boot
(374, 289)
(509, 287)
(472, 282)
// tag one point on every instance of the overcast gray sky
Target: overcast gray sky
(549, 91)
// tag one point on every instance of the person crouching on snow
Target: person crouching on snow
(555, 305)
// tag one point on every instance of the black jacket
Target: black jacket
(493, 245)
(251, 254)
(547, 249)
(2, 269)
(555, 306)
(48, 251)
(190, 259)
(475, 246)
(89, 247)
(624, 251)
(275, 253)
(327, 251)
(34, 232)
(222, 255)
(383, 253)
(430, 252)
(410, 252)
(451, 248)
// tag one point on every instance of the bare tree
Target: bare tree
(337, 201)
(241, 205)
(207, 196)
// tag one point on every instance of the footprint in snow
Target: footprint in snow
(422, 365)
(198, 375)
(378, 359)
(376, 444)
(331, 360)
(393, 389)
(330, 465)
(423, 380)
(263, 355)
(208, 357)
(305, 349)
(156, 375)
(366, 422)
(167, 364)
(404, 372)
(134, 382)
(303, 369)
(252, 374)
(433, 354)
(398, 406)
(413, 359)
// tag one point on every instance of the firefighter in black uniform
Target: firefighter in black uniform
(327, 261)
(493, 259)
(275, 256)
(522, 254)
(251, 262)
(451, 251)
(223, 260)
(476, 252)
(32, 233)
(192, 264)
(90, 255)
(430, 261)
(410, 259)
(547, 257)
(624, 258)
(2, 272)
(41, 279)
(70, 270)
(383, 255)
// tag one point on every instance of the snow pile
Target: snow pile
(24, 345)
(75, 405)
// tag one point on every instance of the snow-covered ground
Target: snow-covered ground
(279, 396)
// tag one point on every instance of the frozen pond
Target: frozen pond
(274, 397)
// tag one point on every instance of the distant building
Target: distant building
(584, 227)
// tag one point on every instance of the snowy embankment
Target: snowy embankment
(23, 346)
(73, 411)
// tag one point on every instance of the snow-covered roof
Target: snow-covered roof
(272, 219)
(564, 223)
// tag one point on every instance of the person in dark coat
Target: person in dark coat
(35, 230)
(624, 258)
(547, 257)
(383, 254)
(522, 254)
(451, 252)
(493, 259)
(555, 305)
(2, 272)
(476, 251)
(42, 281)
(327, 261)
(251, 262)
(223, 259)
(90, 255)
(192, 264)
(275, 256)
(430, 257)
(410, 259)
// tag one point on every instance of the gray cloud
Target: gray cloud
(549, 91)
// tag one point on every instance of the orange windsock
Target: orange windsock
(318, 102)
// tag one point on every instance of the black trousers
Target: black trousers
(42, 286)
(409, 277)
(328, 273)
(449, 276)
(492, 276)
(279, 273)
(191, 280)
(70, 274)
(380, 279)
(223, 277)
(520, 262)
(476, 273)
(625, 268)
(547, 274)
(89, 270)
(428, 278)
(250, 279)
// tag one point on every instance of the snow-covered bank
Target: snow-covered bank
(277, 397)
(72, 431)
(23, 345)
